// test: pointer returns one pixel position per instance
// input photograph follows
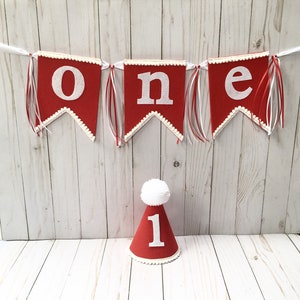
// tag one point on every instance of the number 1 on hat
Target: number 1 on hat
(156, 231)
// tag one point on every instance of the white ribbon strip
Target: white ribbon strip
(119, 65)
(13, 50)
(204, 65)
(289, 51)
(193, 130)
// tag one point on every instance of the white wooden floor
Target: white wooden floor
(210, 267)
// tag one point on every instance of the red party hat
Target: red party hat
(154, 241)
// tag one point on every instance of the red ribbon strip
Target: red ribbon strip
(274, 84)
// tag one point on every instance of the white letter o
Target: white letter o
(78, 83)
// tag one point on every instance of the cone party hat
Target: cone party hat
(154, 241)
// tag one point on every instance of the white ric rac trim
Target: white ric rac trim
(248, 113)
(59, 113)
(56, 55)
(146, 119)
(156, 261)
(220, 60)
(154, 62)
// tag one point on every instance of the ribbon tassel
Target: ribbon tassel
(193, 121)
(273, 90)
(279, 89)
(112, 109)
(32, 106)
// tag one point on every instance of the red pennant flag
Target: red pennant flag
(67, 84)
(154, 88)
(241, 83)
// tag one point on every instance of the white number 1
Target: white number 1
(156, 232)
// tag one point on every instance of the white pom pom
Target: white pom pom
(155, 192)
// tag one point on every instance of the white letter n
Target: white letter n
(164, 95)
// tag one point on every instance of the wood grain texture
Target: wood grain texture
(293, 209)
(200, 276)
(175, 45)
(146, 36)
(205, 20)
(115, 46)
(252, 168)
(114, 276)
(34, 150)
(55, 272)
(8, 255)
(62, 140)
(252, 164)
(23, 274)
(209, 267)
(234, 30)
(274, 266)
(146, 281)
(12, 204)
(238, 276)
(282, 141)
(84, 33)
(64, 186)
(296, 240)
(82, 277)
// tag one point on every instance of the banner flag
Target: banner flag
(60, 83)
(247, 83)
(64, 84)
(154, 88)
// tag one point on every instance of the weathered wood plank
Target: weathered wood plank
(175, 25)
(21, 277)
(252, 169)
(62, 185)
(83, 275)
(146, 281)
(238, 276)
(33, 149)
(55, 271)
(293, 210)
(115, 46)
(234, 33)
(114, 275)
(280, 157)
(146, 35)
(196, 274)
(296, 240)
(217, 267)
(275, 263)
(204, 28)
(54, 36)
(12, 205)
(9, 252)
(83, 23)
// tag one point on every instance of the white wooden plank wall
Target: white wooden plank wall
(64, 186)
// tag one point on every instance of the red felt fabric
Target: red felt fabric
(144, 235)
(221, 104)
(86, 106)
(134, 112)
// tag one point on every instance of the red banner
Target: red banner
(239, 83)
(68, 84)
(154, 88)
